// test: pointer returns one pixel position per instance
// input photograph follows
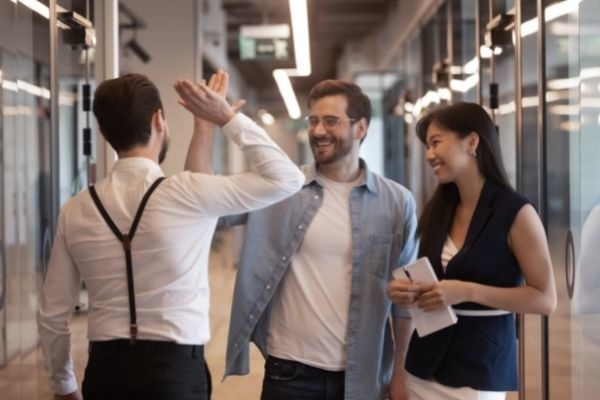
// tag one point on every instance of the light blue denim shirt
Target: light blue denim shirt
(383, 222)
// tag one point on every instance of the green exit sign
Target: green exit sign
(264, 42)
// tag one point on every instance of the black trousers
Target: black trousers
(151, 370)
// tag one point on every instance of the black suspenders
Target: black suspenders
(125, 239)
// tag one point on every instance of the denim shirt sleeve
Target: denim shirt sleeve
(410, 246)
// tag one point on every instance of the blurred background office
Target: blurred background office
(533, 64)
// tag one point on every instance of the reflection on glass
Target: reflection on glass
(563, 191)
(586, 212)
(465, 73)
(26, 178)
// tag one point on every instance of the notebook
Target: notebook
(426, 322)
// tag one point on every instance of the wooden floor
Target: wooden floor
(26, 379)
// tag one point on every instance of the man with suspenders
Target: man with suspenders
(141, 242)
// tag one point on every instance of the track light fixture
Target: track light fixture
(134, 23)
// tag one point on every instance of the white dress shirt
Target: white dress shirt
(170, 248)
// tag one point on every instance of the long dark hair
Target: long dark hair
(462, 119)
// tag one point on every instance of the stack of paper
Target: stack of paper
(426, 322)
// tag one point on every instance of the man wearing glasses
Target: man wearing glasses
(311, 286)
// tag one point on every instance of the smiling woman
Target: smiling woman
(470, 128)
(482, 239)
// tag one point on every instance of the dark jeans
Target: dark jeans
(151, 370)
(291, 380)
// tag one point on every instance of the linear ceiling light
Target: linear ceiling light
(299, 16)
(42, 9)
(36, 6)
(287, 92)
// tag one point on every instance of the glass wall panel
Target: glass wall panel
(563, 73)
(465, 64)
(585, 204)
(25, 99)
(7, 112)
(374, 85)
(530, 179)
(28, 175)
(502, 76)
(485, 54)
(393, 133)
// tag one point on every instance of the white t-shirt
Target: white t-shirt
(309, 313)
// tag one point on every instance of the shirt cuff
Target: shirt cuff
(236, 124)
(64, 387)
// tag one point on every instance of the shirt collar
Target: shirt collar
(136, 163)
(310, 173)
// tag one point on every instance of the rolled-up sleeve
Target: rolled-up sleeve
(272, 177)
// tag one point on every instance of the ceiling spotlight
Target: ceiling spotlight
(132, 22)
(266, 117)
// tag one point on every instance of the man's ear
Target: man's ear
(361, 129)
(158, 121)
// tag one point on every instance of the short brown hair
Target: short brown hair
(359, 105)
(124, 107)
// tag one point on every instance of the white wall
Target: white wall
(170, 40)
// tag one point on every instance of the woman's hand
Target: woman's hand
(403, 292)
(443, 293)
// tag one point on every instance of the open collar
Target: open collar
(368, 180)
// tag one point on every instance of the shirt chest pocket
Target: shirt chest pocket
(380, 252)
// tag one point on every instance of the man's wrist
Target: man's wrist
(226, 118)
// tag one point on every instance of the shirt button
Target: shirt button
(317, 197)
(300, 226)
(251, 316)
(269, 287)
(236, 345)
(284, 258)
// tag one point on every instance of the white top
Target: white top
(448, 251)
(170, 248)
(308, 317)
(429, 389)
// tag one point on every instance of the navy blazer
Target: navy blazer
(479, 352)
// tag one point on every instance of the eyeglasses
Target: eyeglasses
(329, 122)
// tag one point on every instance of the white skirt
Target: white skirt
(420, 389)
